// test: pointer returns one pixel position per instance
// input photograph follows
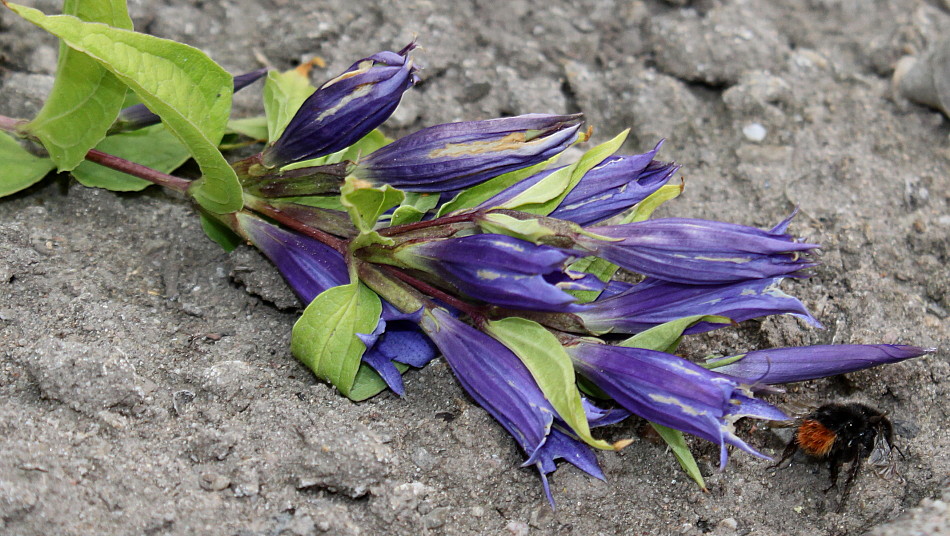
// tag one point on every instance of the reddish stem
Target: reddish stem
(317, 234)
(446, 220)
(477, 314)
(138, 170)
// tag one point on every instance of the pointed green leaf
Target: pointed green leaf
(645, 208)
(152, 146)
(478, 194)
(220, 233)
(20, 168)
(324, 338)
(189, 91)
(331, 202)
(721, 362)
(413, 208)
(367, 144)
(532, 230)
(369, 383)
(545, 196)
(366, 203)
(551, 368)
(252, 127)
(600, 268)
(677, 443)
(86, 98)
(283, 94)
(666, 337)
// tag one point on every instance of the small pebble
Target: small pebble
(754, 132)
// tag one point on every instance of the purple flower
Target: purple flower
(598, 196)
(653, 302)
(698, 252)
(457, 155)
(786, 365)
(671, 391)
(501, 270)
(311, 267)
(139, 116)
(614, 185)
(501, 384)
(345, 109)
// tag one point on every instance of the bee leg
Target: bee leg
(833, 465)
(790, 449)
(852, 473)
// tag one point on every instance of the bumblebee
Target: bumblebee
(845, 433)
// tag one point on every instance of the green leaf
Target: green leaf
(220, 233)
(531, 230)
(478, 194)
(283, 94)
(86, 98)
(413, 208)
(677, 443)
(666, 337)
(366, 203)
(367, 144)
(252, 127)
(551, 368)
(324, 338)
(20, 168)
(721, 362)
(600, 268)
(331, 202)
(645, 208)
(189, 91)
(369, 383)
(152, 146)
(545, 196)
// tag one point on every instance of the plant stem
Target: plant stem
(445, 220)
(10, 124)
(178, 184)
(138, 170)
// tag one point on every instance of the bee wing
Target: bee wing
(881, 458)
(797, 410)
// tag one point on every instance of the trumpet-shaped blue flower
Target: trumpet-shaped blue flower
(502, 385)
(501, 270)
(611, 187)
(671, 391)
(345, 109)
(697, 252)
(653, 302)
(786, 365)
(311, 267)
(457, 155)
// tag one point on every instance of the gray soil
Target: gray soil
(146, 383)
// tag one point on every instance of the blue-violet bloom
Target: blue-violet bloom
(501, 270)
(453, 156)
(696, 252)
(653, 302)
(672, 391)
(609, 188)
(786, 365)
(345, 109)
(502, 385)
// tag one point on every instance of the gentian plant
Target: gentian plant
(464, 239)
